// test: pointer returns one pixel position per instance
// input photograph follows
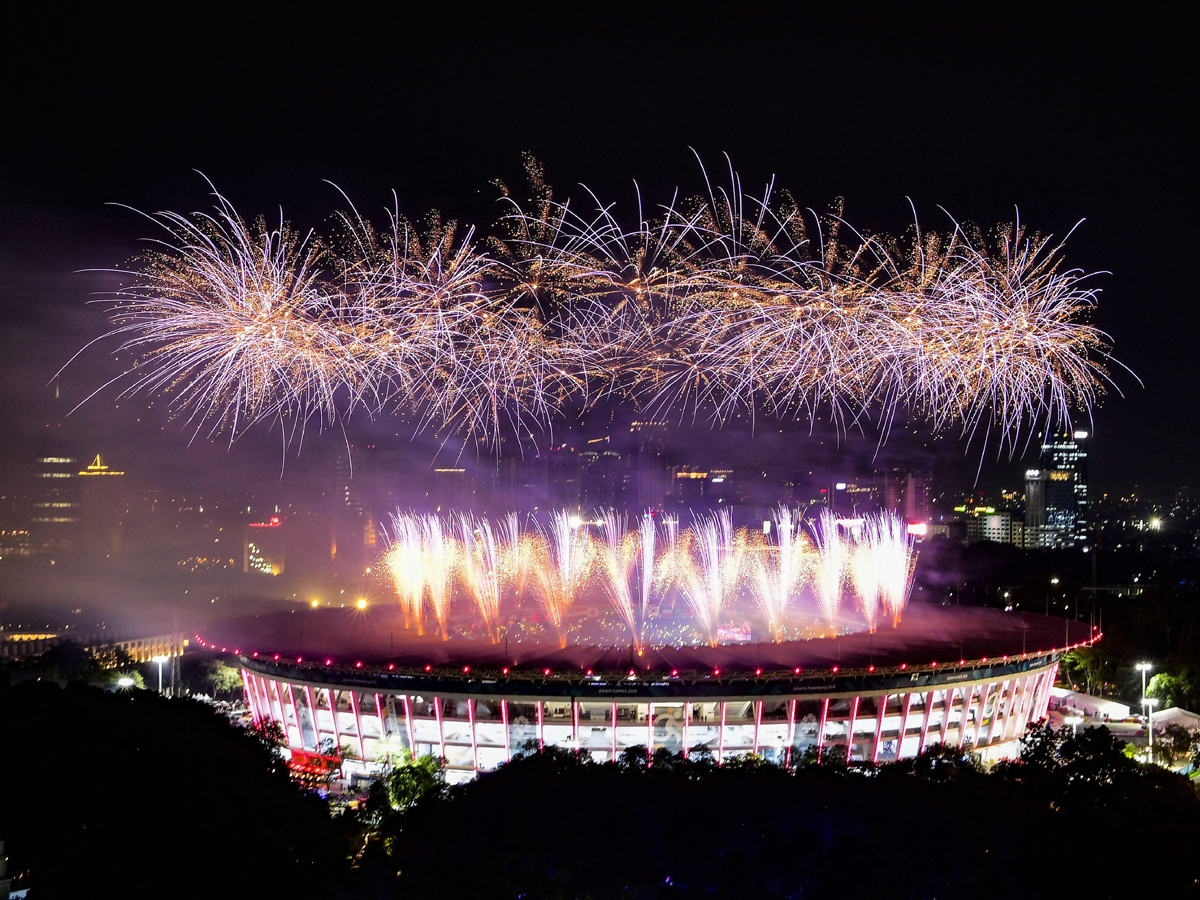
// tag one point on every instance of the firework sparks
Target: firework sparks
(831, 564)
(779, 570)
(709, 308)
(560, 567)
(438, 557)
(647, 533)
(618, 555)
(404, 562)
(482, 568)
(898, 561)
(714, 568)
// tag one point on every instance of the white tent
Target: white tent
(1176, 716)
(1074, 702)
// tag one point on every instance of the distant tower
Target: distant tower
(1056, 495)
(648, 459)
(103, 507)
(54, 521)
(904, 491)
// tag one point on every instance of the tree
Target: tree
(220, 678)
(413, 780)
(141, 748)
(1172, 689)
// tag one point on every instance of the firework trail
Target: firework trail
(831, 564)
(648, 533)
(438, 560)
(897, 562)
(779, 570)
(405, 563)
(711, 307)
(561, 562)
(515, 553)
(866, 557)
(713, 570)
(618, 556)
(482, 568)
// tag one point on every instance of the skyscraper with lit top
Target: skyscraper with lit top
(1056, 495)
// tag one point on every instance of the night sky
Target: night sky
(1065, 117)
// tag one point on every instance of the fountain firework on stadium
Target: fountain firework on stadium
(713, 306)
(713, 570)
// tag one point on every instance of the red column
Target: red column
(925, 723)
(474, 744)
(997, 708)
(850, 728)
(312, 714)
(412, 744)
(362, 749)
(296, 713)
(383, 731)
(983, 699)
(337, 736)
(947, 713)
(966, 714)
(504, 719)
(649, 732)
(1015, 707)
(687, 718)
(791, 731)
(268, 685)
(721, 736)
(757, 723)
(903, 724)
(821, 727)
(437, 712)
(879, 729)
(250, 700)
(613, 724)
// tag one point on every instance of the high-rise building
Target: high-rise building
(55, 514)
(905, 492)
(648, 463)
(104, 505)
(1056, 495)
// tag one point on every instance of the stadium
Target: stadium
(967, 677)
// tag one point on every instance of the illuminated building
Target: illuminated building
(986, 523)
(1056, 494)
(103, 504)
(55, 515)
(264, 550)
(905, 492)
(476, 708)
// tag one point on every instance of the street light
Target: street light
(160, 660)
(1144, 668)
(1150, 703)
(125, 682)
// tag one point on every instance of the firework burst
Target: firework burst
(709, 307)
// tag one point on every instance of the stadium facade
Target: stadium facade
(475, 720)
